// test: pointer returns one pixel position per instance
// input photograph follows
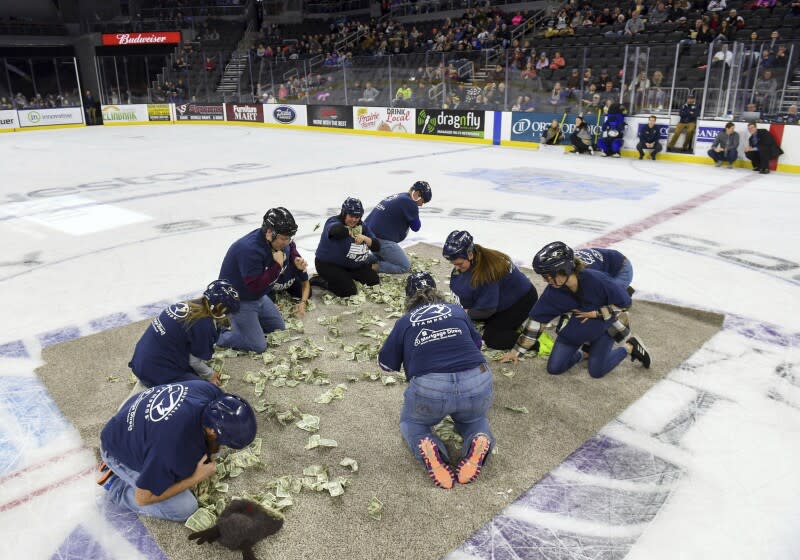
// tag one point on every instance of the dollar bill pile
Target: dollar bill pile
(446, 431)
(362, 352)
(337, 393)
(317, 441)
(308, 422)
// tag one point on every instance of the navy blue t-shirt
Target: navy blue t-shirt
(437, 337)
(595, 289)
(496, 295)
(604, 260)
(249, 267)
(392, 216)
(159, 433)
(343, 252)
(290, 276)
(162, 354)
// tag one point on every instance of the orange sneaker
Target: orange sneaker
(105, 474)
(439, 471)
(470, 466)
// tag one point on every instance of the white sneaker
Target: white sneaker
(603, 154)
(615, 155)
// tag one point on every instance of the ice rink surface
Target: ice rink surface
(104, 226)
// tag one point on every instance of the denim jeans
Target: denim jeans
(602, 358)
(625, 275)
(249, 325)
(466, 396)
(392, 259)
(122, 491)
(728, 156)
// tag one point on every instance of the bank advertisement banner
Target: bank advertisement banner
(158, 112)
(289, 115)
(330, 116)
(445, 122)
(8, 120)
(50, 117)
(384, 119)
(528, 127)
(200, 112)
(121, 114)
(244, 112)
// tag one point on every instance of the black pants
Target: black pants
(341, 281)
(580, 147)
(656, 148)
(500, 330)
(755, 158)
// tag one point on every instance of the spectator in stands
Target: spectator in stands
(765, 91)
(761, 148)
(790, 117)
(587, 79)
(542, 63)
(639, 87)
(725, 147)
(713, 21)
(609, 92)
(767, 60)
(635, 25)
(403, 95)
(557, 62)
(705, 35)
(210, 64)
(529, 73)
(5, 103)
(774, 38)
(723, 56)
(657, 94)
(617, 28)
(687, 125)
(603, 78)
(659, 16)
(735, 20)
(581, 137)
(592, 101)
(370, 94)
(725, 32)
(180, 65)
(795, 8)
(557, 96)
(573, 82)
(691, 34)
(604, 18)
(716, 6)
(517, 19)
(781, 58)
(681, 9)
(648, 139)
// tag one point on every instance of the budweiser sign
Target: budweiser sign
(154, 38)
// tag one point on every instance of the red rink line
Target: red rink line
(58, 484)
(630, 230)
(39, 465)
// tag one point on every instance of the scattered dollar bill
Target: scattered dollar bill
(349, 462)
(522, 409)
(309, 423)
(317, 441)
(112, 379)
(375, 509)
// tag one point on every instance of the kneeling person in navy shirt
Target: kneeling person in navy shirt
(160, 444)
(179, 342)
(345, 252)
(438, 347)
(391, 219)
(294, 281)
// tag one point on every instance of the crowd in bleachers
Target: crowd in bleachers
(39, 101)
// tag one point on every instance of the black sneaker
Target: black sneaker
(630, 290)
(319, 282)
(639, 352)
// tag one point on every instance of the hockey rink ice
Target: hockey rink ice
(103, 226)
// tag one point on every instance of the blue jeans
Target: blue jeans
(249, 325)
(392, 259)
(466, 396)
(602, 358)
(122, 491)
(728, 156)
(625, 275)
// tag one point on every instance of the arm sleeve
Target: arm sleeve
(390, 358)
(338, 231)
(481, 314)
(376, 245)
(415, 224)
(476, 336)
(200, 367)
(293, 253)
(259, 283)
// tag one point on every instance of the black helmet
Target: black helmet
(419, 281)
(553, 258)
(279, 220)
(459, 244)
